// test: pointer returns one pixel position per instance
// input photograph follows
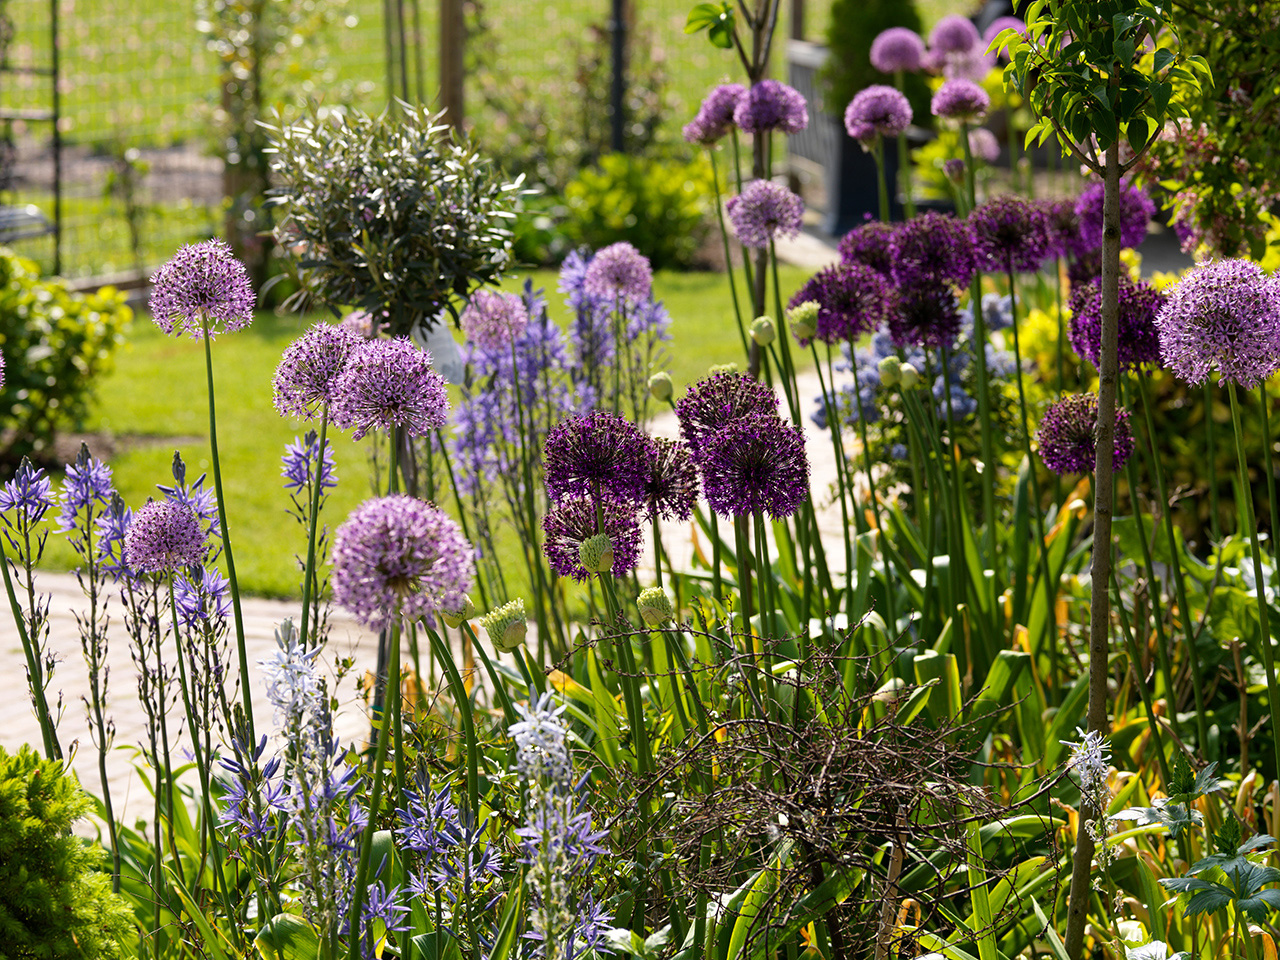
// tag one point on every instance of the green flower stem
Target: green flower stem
(1211, 450)
(1135, 663)
(313, 522)
(728, 256)
(904, 159)
(462, 513)
(716, 580)
(970, 184)
(788, 370)
(35, 670)
(463, 701)
(871, 489)
(500, 688)
(842, 482)
(990, 463)
(877, 151)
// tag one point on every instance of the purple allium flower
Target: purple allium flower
(715, 117)
(672, 486)
(852, 299)
(202, 602)
(763, 211)
(933, 247)
(954, 34)
(619, 272)
(984, 145)
(1136, 211)
(203, 284)
(400, 555)
(389, 383)
(1063, 225)
(1009, 233)
(710, 404)
(961, 99)
(897, 48)
(492, 320)
(1224, 315)
(360, 322)
(309, 369)
(29, 492)
(596, 453)
(771, 105)
(877, 111)
(755, 464)
(953, 169)
(164, 535)
(1139, 340)
(869, 245)
(926, 315)
(1068, 435)
(298, 464)
(88, 481)
(572, 519)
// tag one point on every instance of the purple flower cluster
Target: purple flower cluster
(573, 519)
(29, 494)
(203, 290)
(1136, 211)
(954, 34)
(897, 49)
(493, 320)
(878, 111)
(1009, 233)
(771, 105)
(593, 454)
(933, 248)
(87, 487)
(712, 403)
(925, 315)
(298, 464)
(307, 376)
(1140, 304)
(763, 212)
(852, 299)
(869, 244)
(163, 536)
(386, 384)
(1068, 435)
(1063, 226)
(715, 117)
(202, 602)
(671, 489)
(619, 274)
(961, 99)
(756, 465)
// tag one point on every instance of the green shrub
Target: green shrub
(54, 901)
(660, 207)
(55, 343)
(854, 25)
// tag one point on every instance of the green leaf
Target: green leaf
(716, 19)
(286, 937)
(1163, 58)
(1056, 946)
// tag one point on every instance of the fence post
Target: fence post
(453, 43)
(618, 90)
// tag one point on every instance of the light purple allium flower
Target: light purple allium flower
(711, 404)
(572, 519)
(961, 99)
(877, 111)
(1224, 315)
(983, 145)
(29, 492)
(204, 284)
(298, 464)
(400, 555)
(1009, 233)
(933, 247)
(1139, 341)
(1068, 435)
(360, 322)
(1136, 211)
(619, 273)
(164, 535)
(755, 464)
(954, 34)
(389, 383)
(200, 603)
(869, 245)
(671, 489)
(926, 315)
(715, 117)
(852, 299)
(953, 169)
(598, 452)
(309, 369)
(493, 320)
(897, 48)
(771, 105)
(764, 211)
(88, 482)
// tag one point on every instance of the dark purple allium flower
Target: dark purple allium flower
(572, 520)
(88, 482)
(492, 320)
(897, 48)
(1063, 225)
(164, 535)
(961, 99)
(1009, 233)
(852, 299)
(771, 105)
(672, 487)
(29, 492)
(933, 247)
(1139, 341)
(309, 369)
(400, 555)
(298, 464)
(712, 403)
(877, 111)
(389, 383)
(715, 117)
(869, 245)
(954, 34)
(983, 145)
(596, 453)
(1224, 315)
(619, 272)
(204, 285)
(764, 210)
(755, 464)
(1068, 435)
(202, 602)
(925, 315)
(1136, 211)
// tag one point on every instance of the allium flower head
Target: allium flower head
(400, 555)
(711, 404)
(164, 535)
(954, 34)
(771, 105)
(1063, 225)
(492, 320)
(389, 383)
(655, 606)
(933, 247)
(925, 315)
(203, 285)
(983, 145)
(309, 369)
(877, 111)
(1136, 211)
(852, 299)
(619, 273)
(28, 493)
(897, 48)
(672, 486)
(961, 99)
(763, 212)
(1223, 315)
(1139, 341)
(1068, 435)
(572, 520)
(869, 245)
(598, 452)
(507, 625)
(756, 464)
(715, 117)
(1009, 234)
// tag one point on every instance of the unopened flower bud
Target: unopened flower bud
(660, 387)
(507, 626)
(722, 368)
(655, 606)
(890, 371)
(596, 554)
(455, 618)
(763, 331)
(910, 377)
(803, 318)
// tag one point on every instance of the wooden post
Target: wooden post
(453, 44)
(797, 19)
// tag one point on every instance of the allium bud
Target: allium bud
(803, 318)
(507, 625)
(660, 387)
(596, 554)
(655, 606)
(890, 371)
(455, 618)
(722, 368)
(763, 331)
(910, 377)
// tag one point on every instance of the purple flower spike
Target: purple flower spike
(933, 247)
(596, 453)
(28, 493)
(88, 482)
(493, 320)
(310, 367)
(961, 99)
(756, 464)
(200, 602)
(897, 48)
(389, 383)
(572, 520)
(954, 34)
(1223, 315)
(619, 273)
(1140, 303)
(852, 299)
(1009, 233)
(715, 116)
(877, 111)
(926, 315)
(771, 105)
(164, 535)
(298, 464)
(1136, 211)
(400, 555)
(869, 245)
(711, 404)
(672, 487)
(763, 212)
(1068, 435)
(204, 287)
